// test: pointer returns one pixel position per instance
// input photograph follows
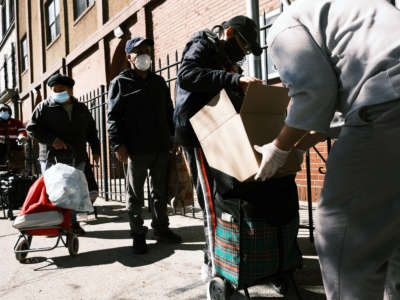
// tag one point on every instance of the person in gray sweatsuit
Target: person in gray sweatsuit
(339, 55)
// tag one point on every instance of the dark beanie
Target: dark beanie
(60, 79)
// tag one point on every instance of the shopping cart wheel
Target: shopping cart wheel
(72, 244)
(218, 289)
(22, 245)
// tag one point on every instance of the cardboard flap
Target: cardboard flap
(213, 115)
(228, 150)
(261, 98)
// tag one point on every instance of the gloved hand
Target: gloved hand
(272, 159)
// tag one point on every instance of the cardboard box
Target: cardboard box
(227, 137)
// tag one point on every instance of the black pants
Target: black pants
(138, 164)
(190, 154)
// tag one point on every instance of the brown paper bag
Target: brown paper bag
(180, 189)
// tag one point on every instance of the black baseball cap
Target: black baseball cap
(136, 42)
(60, 79)
(5, 106)
(248, 30)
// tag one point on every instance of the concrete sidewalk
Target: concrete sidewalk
(106, 269)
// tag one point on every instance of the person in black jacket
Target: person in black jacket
(63, 126)
(209, 64)
(140, 128)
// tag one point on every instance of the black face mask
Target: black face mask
(233, 50)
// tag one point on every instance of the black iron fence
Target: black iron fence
(108, 172)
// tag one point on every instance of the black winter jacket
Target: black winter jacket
(50, 121)
(140, 113)
(202, 76)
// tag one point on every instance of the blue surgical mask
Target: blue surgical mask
(5, 115)
(60, 97)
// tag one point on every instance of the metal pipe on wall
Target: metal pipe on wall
(254, 61)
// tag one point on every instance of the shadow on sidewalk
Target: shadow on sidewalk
(122, 255)
(114, 213)
(189, 234)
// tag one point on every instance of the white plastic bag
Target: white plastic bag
(67, 188)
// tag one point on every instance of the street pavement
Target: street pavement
(105, 268)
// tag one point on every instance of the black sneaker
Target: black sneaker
(139, 244)
(167, 236)
(77, 229)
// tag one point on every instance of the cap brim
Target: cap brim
(148, 41)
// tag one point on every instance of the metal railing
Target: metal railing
(109, 172)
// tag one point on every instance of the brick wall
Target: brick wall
(175, 21)
(317, 178)
(114, 7)
(80, 29)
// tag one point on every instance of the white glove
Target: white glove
(272, 159)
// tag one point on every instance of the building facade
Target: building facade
(85, 38)
(8, 56)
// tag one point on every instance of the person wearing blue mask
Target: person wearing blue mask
(12, 133)
(62, 126)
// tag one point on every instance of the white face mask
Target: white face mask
(143, 62)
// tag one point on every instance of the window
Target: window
(3, 18)
(5, 67)
(11, 11)
(13, 67)
(268, 69)
(80, 6)
(24, 54)
(53, 20)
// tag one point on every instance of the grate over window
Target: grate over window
(266, 21)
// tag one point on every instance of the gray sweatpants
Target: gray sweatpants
(138, 164)
(358, 222)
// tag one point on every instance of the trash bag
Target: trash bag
(180, 188)
(37, 201)
(67, 188)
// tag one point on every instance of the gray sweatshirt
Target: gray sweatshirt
(336, 55)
